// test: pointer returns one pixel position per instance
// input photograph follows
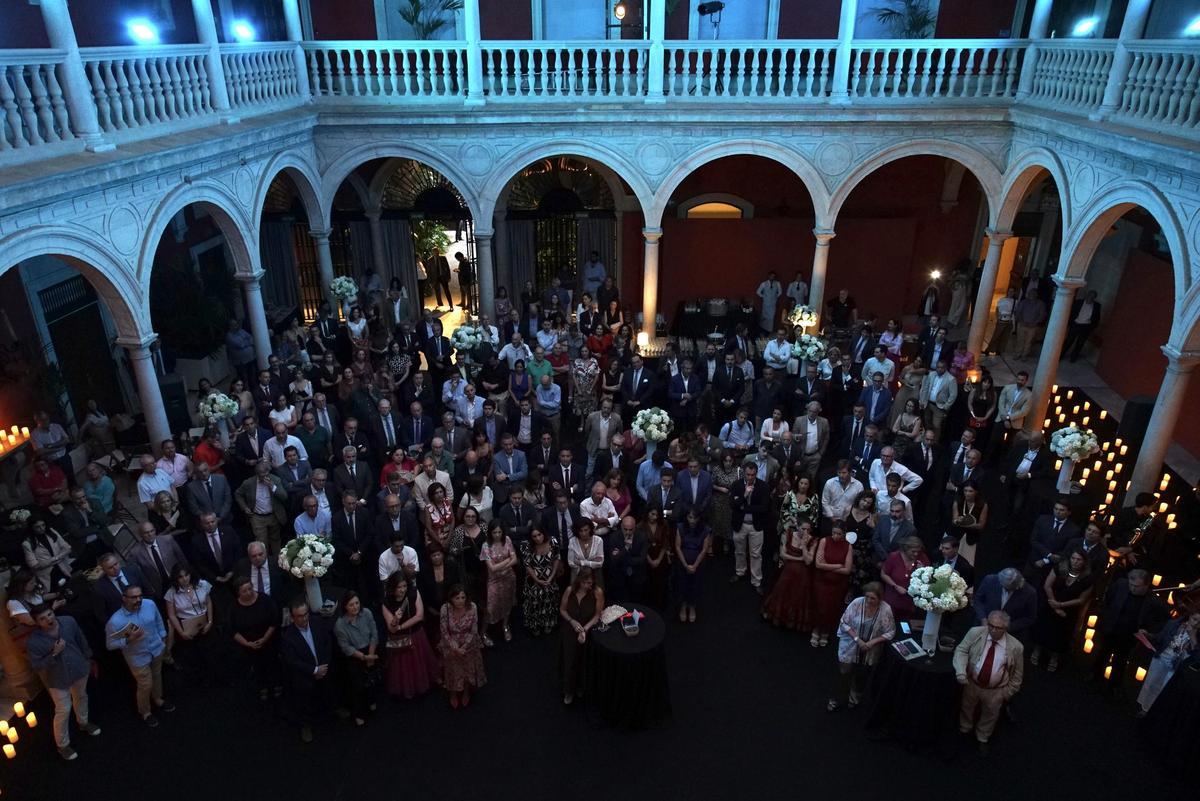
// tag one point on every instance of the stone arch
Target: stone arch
(240, 234)
(1020, 177)
(344, 166)
(791, 159)
(113, 277)
(607, 173)
(976, 162)
(610, 163)
(306, 181)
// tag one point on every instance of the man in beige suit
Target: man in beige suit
(1011, 410)
(599, 428)
(938, 391)
(811, 436)
(989, 663)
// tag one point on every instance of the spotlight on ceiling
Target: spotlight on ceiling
(706, 9)
(242, 31)
(1193, 28)
(142, 31)
(619, 11)
(1086, 26)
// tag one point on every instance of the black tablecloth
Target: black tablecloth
(698, 325)
(1172, 727)
(916, 702)
(627, 676)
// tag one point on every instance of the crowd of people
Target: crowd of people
(468, 496)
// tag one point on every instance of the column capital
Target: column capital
(1068, 285)
(484, 233)
(138, 347)
(373, 215)
(823, 235)
(250, 279)
(320, 236)
(997, 236)
(1180, 361)
(652, 235)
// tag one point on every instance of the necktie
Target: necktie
(866, 447)
(928, 458)
(325, 420)
(966, 474)
(295, 474)
(562, 524)
(208, 486)
(1057, 526)
(158, 563)
(520, 517)
(959, 456)
(352, 475)
(214, 542)
(261, 587)
(391, 434)
(984, 679)
(874, 403)
(417, 429)
(353, 527)
(664, 499)
(857, 429)
(121, 582)
(567, 477)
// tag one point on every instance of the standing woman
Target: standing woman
(617, 492)
(328, 375)
(356, 328)
(542, 568)
(790, 601)
(907, 428)
(410, 666)
(867, 624)
(1068, 589)
(896, 572)
(910, 387)
(580, 610)
(461, 647)
(434, 581)
(724, 476)
(462, 554)
(585, 372)
(501, 559)
(862, 521)
(47, 554)
(969, 519)
(438, 516)
(612, 318)
(833, 564)
(519, 386)
(691, 547)
(399, 364)
(981, 408)
(1173, 645)
(190, 613)
(586, 550)
(658, 560)
(358, 639)
(254, 620)
(610, 384)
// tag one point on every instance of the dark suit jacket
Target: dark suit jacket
(1044, 541)
(1152, 617)
(409, 528)
(729, 386)
(963, 568)
(978, 475)
(672, 509)
(242, 446)
(407, 432)
(914, 460)
(680, 385)
(552, 524)
(203, 560)
(629, 562)
(888, 535)
(946, 354)
(360, 537)
(539, 458)
(862, 454)
(643, 393)
(1096, 312)
(604, 465)
(360, 441)
(76, 530)
(264, 402)
(882, 406)
(480, 427)
(106, 598)
(537, 425)
(363, 483)
(683, 482)
(195, 499)
(803, 393)
(756, 503)
(529, 517)
(335, 419)
(297, 656)
(578, 486)
(427, 397)
(457, 440)
(1021, 607)
(437, 366)
(378, 436)
(294, 485)
(768, 396)
(282, 584)
(846, 438)
(171, 555)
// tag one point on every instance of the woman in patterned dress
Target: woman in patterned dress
(585, 371)
(724, 476)
(500, 557)
(461, 648)
(542, 567)
(438, 516)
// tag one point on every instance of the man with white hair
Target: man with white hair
(274, 448)
(153, 480)
(887, 465)
(599, 509)
(1007, 592)
(990, 664)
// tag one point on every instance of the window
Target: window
(715, 206)
(714, 211)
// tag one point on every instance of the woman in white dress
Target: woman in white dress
(770, 291)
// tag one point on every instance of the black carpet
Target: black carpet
(749, 722)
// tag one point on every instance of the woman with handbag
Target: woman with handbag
(358, 639)
(866, 625)
(190, 612)
(410, 666)
(254, 621)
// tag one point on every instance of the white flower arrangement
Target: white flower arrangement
(218, 406)
(344, 287)
(809, 348)
(652, 425)
(19, 517)
(307, 556)
(803, 316)
(466, 338)
(937, 589)
(1074, 443)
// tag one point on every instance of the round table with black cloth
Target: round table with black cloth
(627, 676)
(1172, 726)
(916, 702)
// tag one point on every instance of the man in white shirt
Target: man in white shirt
(837, 497)
(313, 520)
(770, 291)
(887, 465)
(274, 447)
(429, 474)
(891, 493)
(316, 487)
(515, 350)
(489, 332)
(599, 509)
(397, 557)
(175, 464)
(778, 351)
(453, 389)
(469, 407)
(593, 274)
(879, 363)
(153, 480)
(547, 338)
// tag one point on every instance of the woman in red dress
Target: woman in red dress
(411, 667)
(897, 571)
(833, 564)
(790, 601)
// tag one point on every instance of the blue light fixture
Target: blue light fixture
(1086, 26)
(242, 31)
(142, 31)
(1193, 28)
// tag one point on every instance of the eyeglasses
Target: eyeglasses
(133, 597)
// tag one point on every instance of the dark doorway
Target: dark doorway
(81, 344)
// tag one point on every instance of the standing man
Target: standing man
(137, 631)
(797, 290)
(438, 267)
(60, 654)
(1011, 409)
(749, 500)
(263, 500)
(990, 664)
(306, 648)
(770, 291)
(1031, 313)
(466, 280)
(1085, 316)
(52, 443)
(593, 275)
(938, 392)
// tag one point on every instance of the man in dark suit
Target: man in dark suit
(786, 452)
(614, 458)
(684, 391)
(1085, 316)
(877, 400)
(464, 470)
(518, 516)
(928, 332)
(1048, 541)
(383, 431)
(1008, 592)
(728, 384)
(326, 416)
(84, 527)
(265, 574)
(1129, 608)
(1027, 464)
(439, 355)
(637, 387)
(208, 492)
(456, 438)
(530, 418)
(864, 451)
(740, 340)
(749, 501)
(265, 391)
(247, 449)
(351, 435)
(860, 349)
(927, 460)
(806, 389)
(294, 474)
(156, 556)
(937, 349)
(419, 390)
(409, 343)
(394, 518)
(491, 425)
(666, 497)
(559, 519)
(769, 394)
(625, 562)
(695, 488)
(566, 476)
(543, 455)
(854, 426)
(109, 589)
(354, 546)
(214, 553)
(893, 527)
(955, 624)
(353, 476)
(416, 429)
(306, 648)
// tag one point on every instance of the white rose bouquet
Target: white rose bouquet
(1074, 443)
(937, 589)
(803, 316)
(218, 406)
(652, 425)
(466, 338)
(809, 348)
(307, 556)
(19, 517)
(344, 287)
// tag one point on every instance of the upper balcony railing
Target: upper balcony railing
(47, 102)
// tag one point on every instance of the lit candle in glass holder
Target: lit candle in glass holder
(1108, 498)
(1140, 675)
(1156, 580)
(1062, 418)
(1087, 405)
(1086, 472)
(1058, 465)
(1092, 621)
(1089, 634)
(31, 719)
(1097, 466)
(1070, 394)
(1075, 410)
(1118, 467)
(1171, 518)
(1112, 485)
(1162, 508)
(1085, 420)
(1162, 487)
(15, 431)
(12, 735)
(1058, 410)
(1054, 388)
(1103, 414)
(3, 728)
(19, 709)
(10, 751)
(1088, 646)
(1108, 672)
(25, 433)
(1109, 476)
(1124, 449)
(1047, 423)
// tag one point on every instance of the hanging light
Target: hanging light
(142, 31)
(619, 10)
(243, 31)
(1086, 26)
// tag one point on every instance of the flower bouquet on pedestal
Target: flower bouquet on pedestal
(936, 590)
(809, 348)
(1072, 445)
(803, 316)
(345, 290)
(309, 557)
(652, 425)
(464, 340)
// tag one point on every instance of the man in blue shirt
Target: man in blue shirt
(136, 629)
(549, 399)
(649, 474)
(239, 346)
(60, 654)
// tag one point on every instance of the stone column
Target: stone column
(987, 288)
(325, 266)
(378, 255)
(148, 390)
(77, 89)
(501, 260)
(657, 54)
(257, 312)
(291, 18)
(485, 274)
(474, 53)
(1132, 28)
(206, 32)
(841, 64)
(651, 237)
(1047, 366)
(1039, 26)
(1159, 432)
(816, 284)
